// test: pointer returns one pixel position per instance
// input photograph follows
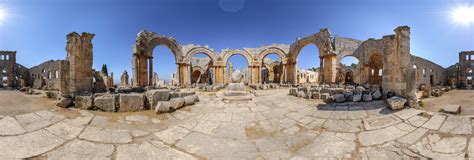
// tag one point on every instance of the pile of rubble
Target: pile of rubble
(264, 86)
(338, 93)
(210, 88)
(161, 100)
(435, 91)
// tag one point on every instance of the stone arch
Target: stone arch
(272, 50)
(203, 50)
(345, 73)
(323, 41)
(142, 61)
(228, 53)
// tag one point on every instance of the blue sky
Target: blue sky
(38, 29)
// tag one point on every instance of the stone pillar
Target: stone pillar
(284, 74)
(219, 74)
(135, 70)
(150, 72)
(398, 72)
(80, 58)
(143, 71)
(177, 75)
(330, 68)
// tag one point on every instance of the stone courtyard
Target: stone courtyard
(271, 126)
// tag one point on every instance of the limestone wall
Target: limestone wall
(428, 72)
(47, 75)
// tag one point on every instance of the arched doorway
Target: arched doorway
(163, 67)
(309, 65)
(469, 76)
(237, 69)
(347, 67)
(272, 68)
(202, 69)
(376, 69)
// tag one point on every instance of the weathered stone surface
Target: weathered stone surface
(356, 97)
(148, 151)
(157, 95)
(216, 148)
(83, 102)
(339, 98)
(343, 125)
(457, 125)
(377, 137)
(374, 123)
(435, 122)
(367, 97)
(29, 144)
(131, 102)
(65, 102)
(105, 102)
(407, 113)
(9, 126)
(293, 91)
(328, 146)
(452, 109)
(434, 146)
(396, 103)
(79, 149)
(177, 103)
(413, 136)
(32, 121)
(64, 130)
(162, 107)
(140, 119)
(376, 95)
(105, 135)
(172, 134)
(188, 100)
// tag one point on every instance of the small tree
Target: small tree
(104, 70)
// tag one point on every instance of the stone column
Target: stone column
(177, 75)
(284, 74)
(151, 81)
(135, 70)
(143, 75)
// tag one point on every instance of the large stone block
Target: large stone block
(162, 107)
(131, 102)
(188, 100)
(84, 102)
(357, 97)
(154, 96)
(339, 98)
(367, 97)
(177, 103)
(376, 95)
(65, 102)
(105, 102)
(396, 103)
(293, 91)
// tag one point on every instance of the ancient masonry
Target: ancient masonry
(386, 62)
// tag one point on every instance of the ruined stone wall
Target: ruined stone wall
(434, 74)
(7, 68)
(47, 75)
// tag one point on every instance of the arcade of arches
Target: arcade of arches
(379, 59)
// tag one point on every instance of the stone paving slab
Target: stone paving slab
(32, 121)
(80, 149)
(10, 126)
(438, 147)
(435, 122)
(457, 125)
(380, 136)
(148, 151)
(29, 144)
(105, 135)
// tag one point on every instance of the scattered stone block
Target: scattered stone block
(396, 103)
(131, 102)
(339, 98)
(376, 95)
(325, 96)
(356, 97)
(316, 95)
(367, 97)
(162, 107)
(65, 102)
(154, 96)
(84, 102)
(188, 100)
(293, 91)
(105, 102)
(177, 103)
(452, 109)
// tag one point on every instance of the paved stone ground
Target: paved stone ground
(273, 125)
